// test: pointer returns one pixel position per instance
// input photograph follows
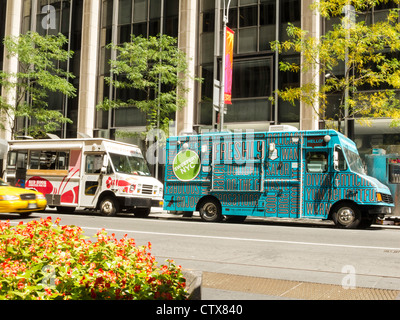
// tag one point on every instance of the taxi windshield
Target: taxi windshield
(354, 160)
(130, 164)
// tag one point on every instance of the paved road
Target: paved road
(263, 259)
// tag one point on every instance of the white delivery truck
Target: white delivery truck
(93, 173)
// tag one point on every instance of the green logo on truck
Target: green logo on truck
(186, 165)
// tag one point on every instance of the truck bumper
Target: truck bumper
(380, 210)
(142, 202)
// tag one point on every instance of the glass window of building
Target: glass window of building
(50, 17)
(135, 17)
(3, 4)
(256, 24)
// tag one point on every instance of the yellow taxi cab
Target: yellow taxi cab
(19, 200)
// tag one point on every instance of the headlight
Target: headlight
(8, 198)
(40, 196)
(132, 187)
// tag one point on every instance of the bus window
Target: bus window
(317, 162)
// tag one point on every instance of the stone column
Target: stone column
(310, 21)
(13, 25)
(88, 66)
(187, 40)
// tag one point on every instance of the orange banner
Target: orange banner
(228, 66)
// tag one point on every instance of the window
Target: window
(317, 162)
(342, 164)
(129, 164)
(49, 160)
(94, 162)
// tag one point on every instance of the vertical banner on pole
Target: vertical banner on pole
(228, 66)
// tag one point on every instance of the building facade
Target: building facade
(92, 24)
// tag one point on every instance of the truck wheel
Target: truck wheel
(141, 212)
(347, 216)
(235, 219)
(25, 214)
(366, 222)
(109, 206)
(65, 209)
(210, 210)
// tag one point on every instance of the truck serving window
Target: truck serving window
(317, 162)
(49, 160)
(129, 164)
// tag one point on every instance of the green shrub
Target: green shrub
(43, 260)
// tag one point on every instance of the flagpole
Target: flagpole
(222, 88)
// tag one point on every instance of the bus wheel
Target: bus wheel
(347, 216)
(109, 206)
(210, 210)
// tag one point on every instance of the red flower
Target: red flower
(93, 293)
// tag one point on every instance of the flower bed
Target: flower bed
(43, 260)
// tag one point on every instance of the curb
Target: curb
(194, 280)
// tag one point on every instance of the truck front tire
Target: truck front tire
(109, 206)
(347, 215)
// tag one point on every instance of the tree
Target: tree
(39, 75)
(151, 70)
(369, 54)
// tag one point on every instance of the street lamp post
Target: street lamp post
(350, 18)
(222, 87)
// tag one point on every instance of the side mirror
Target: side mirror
(336, 160)
(103, 169)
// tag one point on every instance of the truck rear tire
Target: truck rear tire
(65, 209)
(109, 206)
(347, 215)
(210, 210)
(141, 212)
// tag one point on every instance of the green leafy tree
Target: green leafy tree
(39, 75)
(152, 69)
(368, 52)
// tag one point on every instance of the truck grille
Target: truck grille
(147, 189)
(28, 196)
(387, 198)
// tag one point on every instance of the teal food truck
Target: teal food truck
(280, 173)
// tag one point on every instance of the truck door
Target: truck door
(92, 179)
(317, 182)
(16, 168)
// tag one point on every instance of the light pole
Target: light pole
(350, 19)
(222, 88)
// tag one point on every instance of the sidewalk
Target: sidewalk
(218, 286)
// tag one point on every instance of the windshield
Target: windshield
(355, 162)
(2, 183)
(129, 164)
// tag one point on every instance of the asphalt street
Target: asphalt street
(263, 258)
